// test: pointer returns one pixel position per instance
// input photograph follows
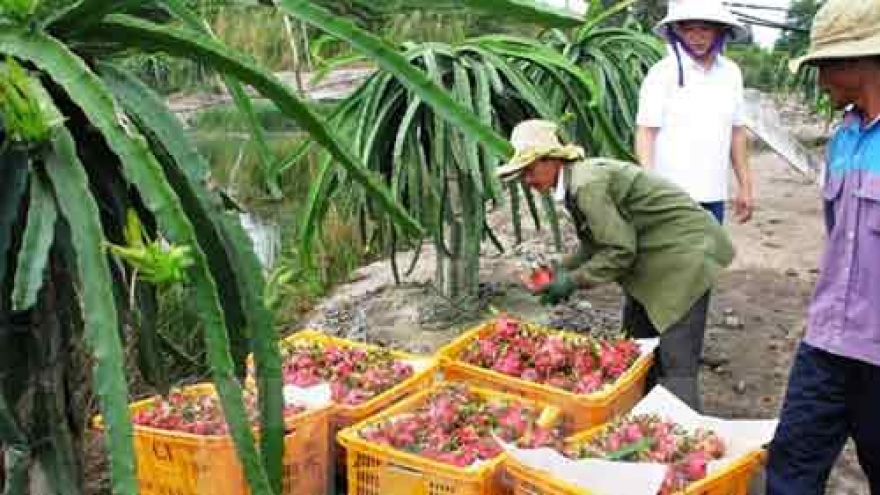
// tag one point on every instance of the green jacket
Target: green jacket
(642, 231)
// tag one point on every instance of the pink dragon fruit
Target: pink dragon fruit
(355, 375)
(579, 364)
(458, 427)
(648, 438)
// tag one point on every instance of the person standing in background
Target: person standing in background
(690, 127)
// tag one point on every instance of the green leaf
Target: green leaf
(267, 357)
(530, 201)
(550, 211)
(187, 172)
(34, 252)
(404, 128)
(80, 212)
(413, 79)
(513, 190)
(318, 197)
(12, 189)
(18, 461)
(225, 243)
(642, 445)
(197, 47)
(600, 15)
(239, 97)
(532, 11)
(382, 128)
(525, 88)
(483, 103)
(527, 10)
(535, 53)
(10, 433)
(141, 169)
(471, 153)
(375, 94)
(339, 114)
(49, 416)
(150, 359)
(84, 13)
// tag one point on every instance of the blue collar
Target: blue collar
(853, 120)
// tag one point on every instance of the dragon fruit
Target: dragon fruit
(456, 426)
(198, 414)
(538, 279)
(649, 438)
(355, 375)
(579, 364)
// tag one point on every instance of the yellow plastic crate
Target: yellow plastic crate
(178, 463)
(581, 411)
(732, 480)
(343, 415)
(346, 415)
(380, 470)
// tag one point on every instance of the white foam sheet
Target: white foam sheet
(598, 476)
(647, 346)
(320, 395)
(628, 478)
(312, 397)
(418, 364)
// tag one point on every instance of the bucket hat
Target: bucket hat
(843, 29)
(533, 140)
(701, 10)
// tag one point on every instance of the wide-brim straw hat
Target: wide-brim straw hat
(701, 10)
(533, 140)
(843, 29)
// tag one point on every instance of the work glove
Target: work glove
(560, 289)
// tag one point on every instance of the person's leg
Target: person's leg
(637, 325)
(635, 321)
(716, 208)
(864, 399)
(813, 425)
(681, 347)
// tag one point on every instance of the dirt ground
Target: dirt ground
(756, 319)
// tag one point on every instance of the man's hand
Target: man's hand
(559, 289)
(744, 202)
(538, 279)
(743, 206)
(646, 139)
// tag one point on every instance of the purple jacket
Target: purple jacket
(844, 315)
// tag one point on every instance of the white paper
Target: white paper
(664, 403)
(647, 346)
(740, 437)
(311, 397)
(418, 364)
(598, 476)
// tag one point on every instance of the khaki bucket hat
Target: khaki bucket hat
(533, 140)
(701, 10)
(843, 29)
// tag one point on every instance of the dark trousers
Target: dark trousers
(716, 208)
(830, 399)
(678, 358)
